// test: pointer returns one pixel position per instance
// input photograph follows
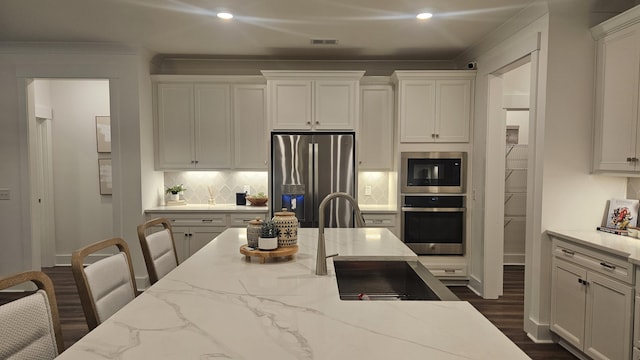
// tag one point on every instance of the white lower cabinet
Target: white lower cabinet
(190, 239)
(192, 231)
(591, 308)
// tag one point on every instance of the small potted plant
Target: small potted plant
(174, 192)
(268, 239)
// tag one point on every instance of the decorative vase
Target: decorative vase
(286, 227)
(174, 197)
(253, 232)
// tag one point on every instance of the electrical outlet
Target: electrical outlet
(247, 189)
(5, 194)
(367, 190)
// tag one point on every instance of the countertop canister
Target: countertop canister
(253, 232)
(287, 228)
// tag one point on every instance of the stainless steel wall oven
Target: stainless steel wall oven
(434, 225)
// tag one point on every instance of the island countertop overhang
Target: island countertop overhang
(216, 302)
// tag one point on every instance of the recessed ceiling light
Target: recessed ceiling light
(225, 15)
(424, 16)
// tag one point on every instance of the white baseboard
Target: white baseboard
(475, 285)
(65, 259)
(538, 333)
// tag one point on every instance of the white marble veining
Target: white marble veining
(620, 245)
(217, 305)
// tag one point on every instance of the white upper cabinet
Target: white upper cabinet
(249, 115)
(209, 124)
(434, 106)
(616, 103)
(375, 135)
(312, 100)
(174, 126)
(213, 126)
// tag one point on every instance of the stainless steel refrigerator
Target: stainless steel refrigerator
(306, 167)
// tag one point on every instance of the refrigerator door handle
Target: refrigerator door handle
(310, 191)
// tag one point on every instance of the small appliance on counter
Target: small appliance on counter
(241, 199)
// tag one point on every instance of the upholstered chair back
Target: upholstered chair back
(30, 326)
(106, 285)
(158, 248)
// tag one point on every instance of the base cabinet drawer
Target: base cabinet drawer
(448, 271)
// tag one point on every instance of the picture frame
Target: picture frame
(105, 176)
(103, 134)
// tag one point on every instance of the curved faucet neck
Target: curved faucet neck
(321, 258)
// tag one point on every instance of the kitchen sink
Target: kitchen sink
(388, 280)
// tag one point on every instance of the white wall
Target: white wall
(127, 75)
(81, 214)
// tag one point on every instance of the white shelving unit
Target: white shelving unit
(515, 203)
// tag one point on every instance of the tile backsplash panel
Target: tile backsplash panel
(633, 188)
(225, 185)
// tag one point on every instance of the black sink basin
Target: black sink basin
(388, 280)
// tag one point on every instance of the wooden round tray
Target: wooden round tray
(282, 252)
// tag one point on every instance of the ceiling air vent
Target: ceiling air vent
(324, 42)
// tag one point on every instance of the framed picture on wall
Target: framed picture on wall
(103, 133)
(104, 175)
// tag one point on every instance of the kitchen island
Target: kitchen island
(217, 304)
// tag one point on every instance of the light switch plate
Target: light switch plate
(367, 190)
(247, 189)
(5, 194)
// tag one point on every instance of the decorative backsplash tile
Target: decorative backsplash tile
(379, 183)
(633, 188)
(225, 185)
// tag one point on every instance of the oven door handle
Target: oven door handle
(414, 209)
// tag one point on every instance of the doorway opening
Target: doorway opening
(69, 143)
(509, 169)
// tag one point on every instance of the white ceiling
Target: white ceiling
(365, 29)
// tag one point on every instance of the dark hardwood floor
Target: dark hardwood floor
(506, 313)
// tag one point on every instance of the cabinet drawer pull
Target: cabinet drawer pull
(450, 270)
(610, 267)
(568, 252)
(629, 159)
(207, 220)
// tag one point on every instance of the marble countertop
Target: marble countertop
(207, 208)
(249, 208)
(625, 246)
(216, 304)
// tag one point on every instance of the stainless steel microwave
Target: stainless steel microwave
(433, 172)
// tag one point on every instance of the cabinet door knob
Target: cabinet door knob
(437, 136)
(433, 136)
(629, 159)
(308, 122)
(317, 122)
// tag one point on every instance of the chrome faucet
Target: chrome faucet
(321, 258)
